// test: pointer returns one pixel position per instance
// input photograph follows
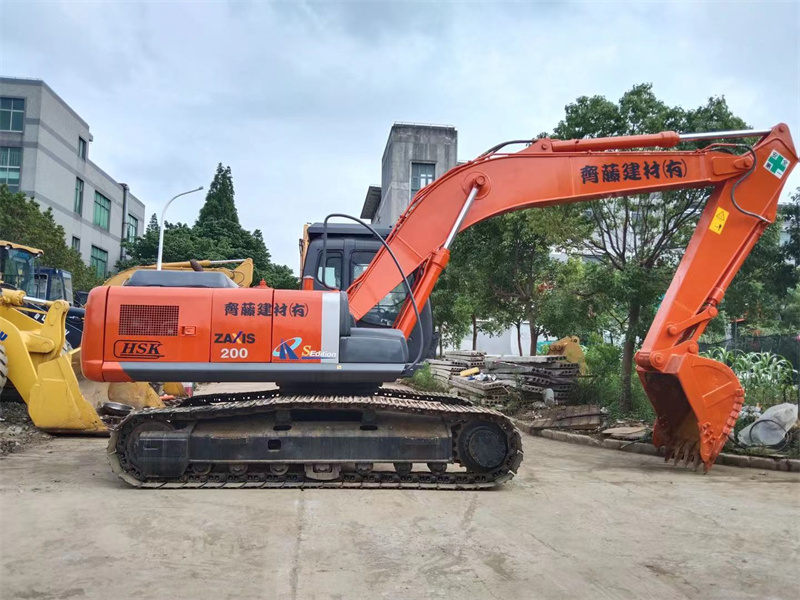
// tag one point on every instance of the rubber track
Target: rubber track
(250, 403)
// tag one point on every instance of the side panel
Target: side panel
(158, 325)
(94, 329)
(303, 326)
(241, 325)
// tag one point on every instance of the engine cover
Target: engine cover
(166, 331)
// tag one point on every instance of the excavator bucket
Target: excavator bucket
(697, 401)
(64, 401)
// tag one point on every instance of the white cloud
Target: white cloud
(299, 98)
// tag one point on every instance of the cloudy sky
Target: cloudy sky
(298, 98)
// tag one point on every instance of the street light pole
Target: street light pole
(161, 230)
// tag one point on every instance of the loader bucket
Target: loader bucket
(697, 401)
(64, 401)
(570, 347)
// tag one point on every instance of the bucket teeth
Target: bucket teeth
(690, 454)
(685, 453)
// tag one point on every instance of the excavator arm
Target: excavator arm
(696, 399)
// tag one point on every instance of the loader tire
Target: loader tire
(3, 367)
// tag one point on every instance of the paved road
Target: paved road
(577, 522)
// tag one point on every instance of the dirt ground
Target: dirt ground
(16, 429)
(576, 522)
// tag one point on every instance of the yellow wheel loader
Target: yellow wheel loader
(241, 274)
(47, 376)
(38, 365)
(43, 369)
(570, 347)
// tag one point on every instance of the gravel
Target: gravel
(16, 429)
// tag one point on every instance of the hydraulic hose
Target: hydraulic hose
(407, 285)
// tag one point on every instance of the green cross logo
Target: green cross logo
(776, 164)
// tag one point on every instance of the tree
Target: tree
(758, 291)
(454, 305)
(22, 221)
(638, 240)
(220, 205)
(507, 274)
(153, 226)
(452, 312)
(790, 213)
(217, 235)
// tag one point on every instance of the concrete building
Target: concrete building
(415, 155)
(44, 152)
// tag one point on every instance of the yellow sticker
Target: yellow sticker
(718, 222)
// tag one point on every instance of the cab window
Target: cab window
(56, 289)
(18, 270)
(40, 287)
(68, 287)
(385, 312)
(332, 275)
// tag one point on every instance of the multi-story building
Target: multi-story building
(414, 156)
(44, 152)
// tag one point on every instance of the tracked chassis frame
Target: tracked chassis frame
(269, 440)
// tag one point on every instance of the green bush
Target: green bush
(603, 383)
(424, 380)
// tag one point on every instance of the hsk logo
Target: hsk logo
(286, 351)
(147, 350)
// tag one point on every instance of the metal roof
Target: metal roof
(371, 202)
(345, 229)
(13, 246)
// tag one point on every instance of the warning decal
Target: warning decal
(719, 220)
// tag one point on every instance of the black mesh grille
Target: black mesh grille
(138, 319)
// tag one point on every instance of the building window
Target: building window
(102, 210)
(82, 148)
(421, 175)
(133, 228)
(76, 243)
(78, 207)
(99, 261)
(10, 162)
(12, 112)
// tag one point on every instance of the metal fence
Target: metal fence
(787, 346)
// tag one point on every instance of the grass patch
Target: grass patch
(424, 380)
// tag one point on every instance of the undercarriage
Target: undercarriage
(390, 439)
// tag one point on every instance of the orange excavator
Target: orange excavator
(330, 423)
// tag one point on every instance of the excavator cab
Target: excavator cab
(349, 250)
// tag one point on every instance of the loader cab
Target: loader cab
(350, 249)
(54, 284)
(18, 267)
